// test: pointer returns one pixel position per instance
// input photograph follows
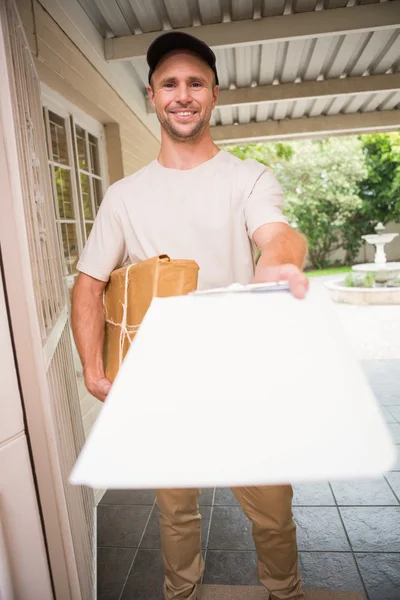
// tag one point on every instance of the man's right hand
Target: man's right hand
(87, 317)
(98, 386)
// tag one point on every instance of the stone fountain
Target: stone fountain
(385, 273)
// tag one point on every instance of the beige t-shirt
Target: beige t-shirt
(207, 214)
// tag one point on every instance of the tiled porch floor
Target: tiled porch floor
(348, 533)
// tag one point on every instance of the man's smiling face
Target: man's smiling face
(184, 94)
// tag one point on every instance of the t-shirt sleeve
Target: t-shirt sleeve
(105, 248)
(264, 198)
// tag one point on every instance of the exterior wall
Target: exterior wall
(65, 69)
(114, 151)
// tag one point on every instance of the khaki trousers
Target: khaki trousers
(274, 533)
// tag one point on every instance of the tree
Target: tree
(379, 190)
(321, 188)
(267, 154)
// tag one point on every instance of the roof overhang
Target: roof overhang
(284, 28)
(287, 69)
(307, 127)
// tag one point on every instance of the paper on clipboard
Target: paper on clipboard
(237, 389)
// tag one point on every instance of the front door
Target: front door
(39, 318)
(24, 571)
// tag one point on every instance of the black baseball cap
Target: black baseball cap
(174, 40)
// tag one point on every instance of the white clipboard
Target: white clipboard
(228, 389)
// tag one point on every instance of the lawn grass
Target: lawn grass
(332, 271)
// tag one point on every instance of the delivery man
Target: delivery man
(196, 202)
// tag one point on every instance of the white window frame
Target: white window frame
(54, 102)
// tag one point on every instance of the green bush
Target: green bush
(394, 283)
(350, 280)
(357, 280)
(321, 188)
(369, 280)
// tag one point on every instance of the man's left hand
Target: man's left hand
(298, 282)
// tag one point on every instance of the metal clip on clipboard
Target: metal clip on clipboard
(237, 288)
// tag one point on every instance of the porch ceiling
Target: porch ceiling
(287, 68)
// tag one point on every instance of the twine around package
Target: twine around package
(128, 296)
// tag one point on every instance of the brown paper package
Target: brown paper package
(128, 295)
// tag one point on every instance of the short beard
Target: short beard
(177, 135)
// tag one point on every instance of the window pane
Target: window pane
(70, 247)
(86, 197)
(98, 193)
(64, 193)
(81, 145)
(88, 227)
(58, 134)
(94, 154)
